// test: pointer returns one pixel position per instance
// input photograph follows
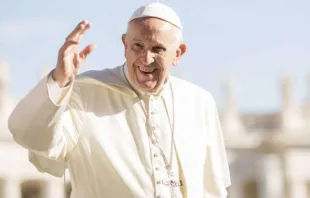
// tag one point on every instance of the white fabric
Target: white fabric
(157, 10)
(55, 92)
(161, 130)
(98, 131)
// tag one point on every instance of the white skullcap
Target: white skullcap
(157, 10)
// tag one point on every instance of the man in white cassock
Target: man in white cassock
(132, 131)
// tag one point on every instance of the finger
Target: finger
(68, 47)
(79, 36)
(76, 29)
(71, 48)
(79, 58)
(76, 61)
(77, 33)
(86, 51)
(75, 39)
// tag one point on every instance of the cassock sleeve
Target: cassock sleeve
(46, 122)
(216, 175)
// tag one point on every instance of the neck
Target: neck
(126, 73)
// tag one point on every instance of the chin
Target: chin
(148, 88)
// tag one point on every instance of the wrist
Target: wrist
(61, 80)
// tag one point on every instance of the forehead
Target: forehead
(152, 29)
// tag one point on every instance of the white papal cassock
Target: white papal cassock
(107, 135)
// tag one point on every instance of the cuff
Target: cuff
(57, 94)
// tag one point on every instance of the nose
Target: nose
(147, 58)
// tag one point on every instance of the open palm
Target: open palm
(69, 59)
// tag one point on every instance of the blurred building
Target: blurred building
(269, 154)
(19, 178)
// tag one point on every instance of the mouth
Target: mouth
(146, 70)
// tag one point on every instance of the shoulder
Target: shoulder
(103, 82)
(192, 91)
(108, 74)
(107, 77)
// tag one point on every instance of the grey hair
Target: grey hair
(179, 35)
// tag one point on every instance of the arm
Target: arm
(216, 176)
(42, 122)
(48, 120)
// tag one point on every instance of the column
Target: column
(12, 189)
(307, 104)
(271, 177)
(55, 188)
(230, 119)
(299, 189)
(235, 190)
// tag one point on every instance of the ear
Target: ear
(179, 53)
(124, 43)
(124, 39)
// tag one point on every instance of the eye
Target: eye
(138, 45)
(158, 49)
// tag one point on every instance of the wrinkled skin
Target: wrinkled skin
(151, 48)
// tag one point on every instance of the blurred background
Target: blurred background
(253, 56)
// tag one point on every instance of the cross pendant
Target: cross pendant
(173, 183)
(170, 172)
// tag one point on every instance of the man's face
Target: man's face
(151, 47)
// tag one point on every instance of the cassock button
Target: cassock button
(155, 155)
(157, 169)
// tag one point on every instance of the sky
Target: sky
(253, 42)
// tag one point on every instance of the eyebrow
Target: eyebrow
(159, 44)
(136, 39)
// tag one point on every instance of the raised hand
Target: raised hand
(69, 59)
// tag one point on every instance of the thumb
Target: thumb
(86, 51)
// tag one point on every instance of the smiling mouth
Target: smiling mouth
(146, 70)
